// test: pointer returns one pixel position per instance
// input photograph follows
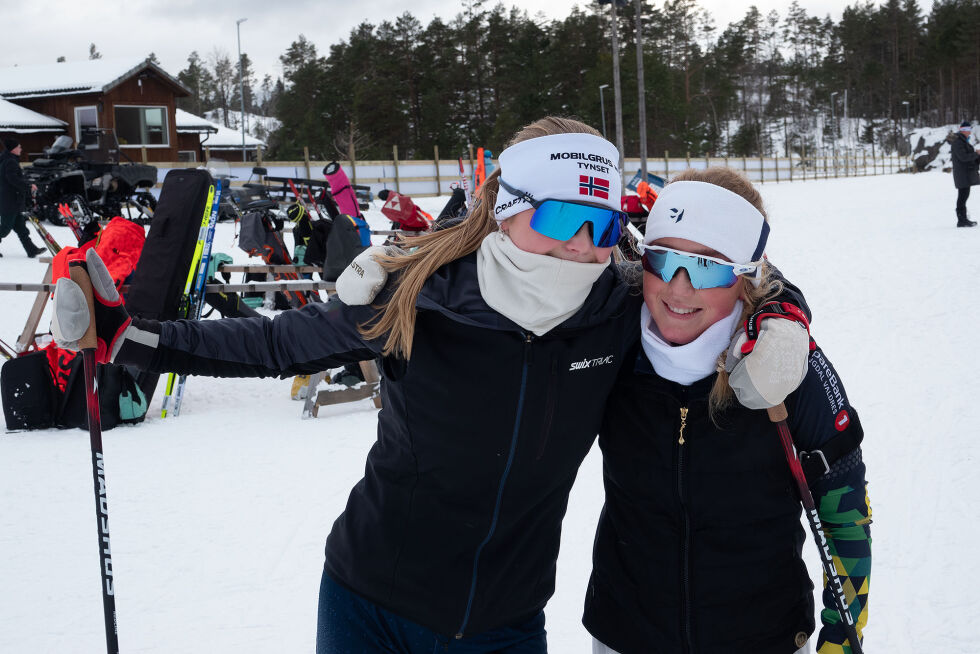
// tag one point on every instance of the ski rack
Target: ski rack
(46, 288)
(369, 389)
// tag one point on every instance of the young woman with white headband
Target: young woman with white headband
(698, 549)
(499, 340)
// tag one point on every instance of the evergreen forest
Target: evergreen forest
(708, 89)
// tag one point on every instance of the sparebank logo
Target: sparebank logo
(677, 215)
(591, 363)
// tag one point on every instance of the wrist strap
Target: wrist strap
(774, 310)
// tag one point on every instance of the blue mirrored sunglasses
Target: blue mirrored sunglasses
(562, 219)
(703, 271)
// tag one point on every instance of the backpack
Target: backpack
(348, 238)
(46, 389)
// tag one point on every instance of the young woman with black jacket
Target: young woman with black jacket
(499, 340)
(698, 548)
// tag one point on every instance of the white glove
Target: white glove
(70, 318)
(364, 277)
(775, 366)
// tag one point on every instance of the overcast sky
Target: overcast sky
(39, 31)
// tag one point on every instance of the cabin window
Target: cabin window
(142, 126)
(86, 128)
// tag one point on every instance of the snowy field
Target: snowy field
(218, 517)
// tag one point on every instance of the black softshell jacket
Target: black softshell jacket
(965, 161)
(699, 546)
(457, 520)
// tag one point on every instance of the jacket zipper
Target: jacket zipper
(686, 543)
(549, 411)
(528, 338)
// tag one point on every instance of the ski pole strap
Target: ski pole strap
(774, 310)
(816, 463)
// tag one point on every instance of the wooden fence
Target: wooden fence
(433, 177)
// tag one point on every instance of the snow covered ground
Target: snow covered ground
(218, 517)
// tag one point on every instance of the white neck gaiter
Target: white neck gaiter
(536, 291)
(686, 364)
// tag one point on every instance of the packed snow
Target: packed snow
(218, 517)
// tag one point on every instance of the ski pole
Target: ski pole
(466, 185)
(88, 345)
(778, 415)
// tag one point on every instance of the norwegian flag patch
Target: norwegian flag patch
(593, 186)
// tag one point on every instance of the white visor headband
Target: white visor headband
(710, 215)
(570, 167)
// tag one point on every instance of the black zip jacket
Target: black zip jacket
(698, 549)
(13, 185)
(965, 161)
(456, 523)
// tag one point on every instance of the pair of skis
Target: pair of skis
(45, 235)
(192, 300)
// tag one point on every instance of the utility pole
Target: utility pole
(642, 90)
(833, 120)
(241, 80)
(602, 108)
(617, 91)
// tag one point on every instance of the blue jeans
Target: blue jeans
(349, 624)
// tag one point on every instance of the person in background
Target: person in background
(966, 163)
(13, 197)
(699, 545)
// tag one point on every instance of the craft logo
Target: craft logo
(675, 216)
(842, 420)
(591, 363)
(511, 203)
(594, 186)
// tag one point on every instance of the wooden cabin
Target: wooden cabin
(136, 98)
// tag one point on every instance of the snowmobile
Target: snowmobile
(59, 182)
(111, 185)
(239, 200)
(91, 182)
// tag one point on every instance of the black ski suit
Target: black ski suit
(698, 549)
(457, 521)
(966, 164)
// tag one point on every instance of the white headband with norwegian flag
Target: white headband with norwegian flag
(570, 167)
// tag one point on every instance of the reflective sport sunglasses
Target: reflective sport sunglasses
(561, 219)
(703, 271)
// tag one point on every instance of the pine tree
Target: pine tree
(197, 78)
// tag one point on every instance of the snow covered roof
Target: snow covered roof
(73, 77)
(188, 122)
(220, 137)
(15, 118)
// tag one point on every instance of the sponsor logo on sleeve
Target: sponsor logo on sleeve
(831, 387)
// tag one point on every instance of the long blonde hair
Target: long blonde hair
(753, 297)
(429, 252)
